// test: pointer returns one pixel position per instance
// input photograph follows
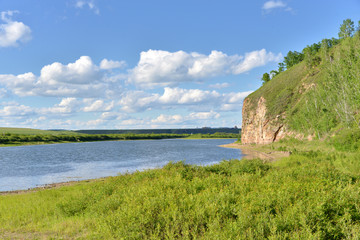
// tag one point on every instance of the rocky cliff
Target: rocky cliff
(258, 127)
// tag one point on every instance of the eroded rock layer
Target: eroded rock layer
(257, 127)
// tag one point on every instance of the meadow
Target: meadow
(313, 194)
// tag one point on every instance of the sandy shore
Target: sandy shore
(49, 186)
(252, 152)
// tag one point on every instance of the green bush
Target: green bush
(347, 140)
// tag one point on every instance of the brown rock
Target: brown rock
(257, 127)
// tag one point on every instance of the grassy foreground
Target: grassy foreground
(313, 194)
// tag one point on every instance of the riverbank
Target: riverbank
(258, 151)
(51, 186)
(249, 152)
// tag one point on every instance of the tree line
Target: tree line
(310, 53)
(9, 138)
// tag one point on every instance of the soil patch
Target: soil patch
(253, 151)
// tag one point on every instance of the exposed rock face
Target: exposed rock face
(257, 128)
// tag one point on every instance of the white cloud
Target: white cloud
(178, 119)
(98, 106)
(219, 85)
(110, 64)
(89, 3)
(236, 97)
(273, 4)
(16, 110)
(270, 5)
(255, 59)
(133, 122)
(163, 68)
(113, 116)
(3, 93)
(66, 106)
(204, 115)
(79, 79)
(82, 71)
(186, 96)
(168, 119)
(13, 32)
(233, 101)
(138, 101)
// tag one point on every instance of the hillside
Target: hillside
(311, 99)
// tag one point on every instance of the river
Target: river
(26, 167)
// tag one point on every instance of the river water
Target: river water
(26, 167)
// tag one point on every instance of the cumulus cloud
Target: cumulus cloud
(82, 78)
(13, 32)
(98, 106)
(82, 71)
(273, 4)
(110, 64)
(3, 93)
(270, 5)
(177, 119)
(138, 101)
(113, 116)
(168, 119)
(15, 110)
(66, 106)
(204, 115)
(87, 3)
(186, 96)
(163, 68)
(219, 85)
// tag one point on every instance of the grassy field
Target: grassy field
(31, 131)
(313, 194)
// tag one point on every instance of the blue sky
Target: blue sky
(85, 64)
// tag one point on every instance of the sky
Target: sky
(140, 64)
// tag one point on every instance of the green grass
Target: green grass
(313, 194)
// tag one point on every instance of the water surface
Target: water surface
(26, 167)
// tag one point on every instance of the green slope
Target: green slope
(321, 98)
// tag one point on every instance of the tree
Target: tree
(266, 78)
(273, 73)
(310, 54)
(293, 58)
(346, 28)
(281, 67)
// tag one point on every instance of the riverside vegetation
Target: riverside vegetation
(312, 194)
(21, 136)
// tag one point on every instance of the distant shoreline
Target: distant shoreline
(116, 140)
